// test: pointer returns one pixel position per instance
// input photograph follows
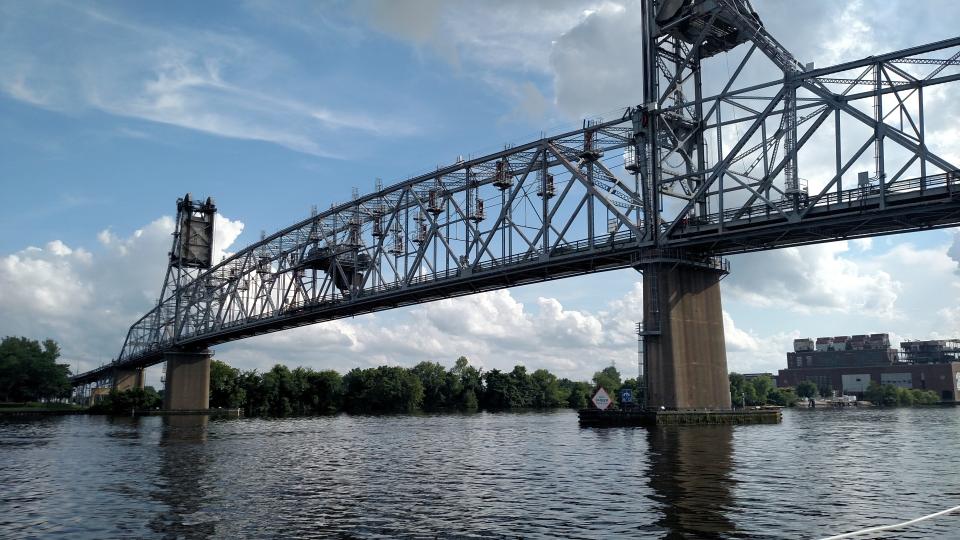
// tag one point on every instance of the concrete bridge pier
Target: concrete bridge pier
(187, 381)
(685, 358)
(128, 379)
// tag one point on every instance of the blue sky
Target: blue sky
(109, 111)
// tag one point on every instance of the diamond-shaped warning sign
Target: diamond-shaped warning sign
(601, 399)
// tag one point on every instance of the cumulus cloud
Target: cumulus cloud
(86, 299)
(954, 251)
(493, 329)
(749, 352)
(809, 279)
(596, 63)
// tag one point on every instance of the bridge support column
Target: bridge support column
(128, 379)
(683, 346)
(187, 381)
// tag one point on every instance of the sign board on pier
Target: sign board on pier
(601, 399)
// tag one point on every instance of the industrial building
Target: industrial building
(848, 364)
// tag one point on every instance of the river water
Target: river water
(528, 475)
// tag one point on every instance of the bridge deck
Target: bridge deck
(907, 205)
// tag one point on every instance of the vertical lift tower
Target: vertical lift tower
(682, 342)
(187, 374)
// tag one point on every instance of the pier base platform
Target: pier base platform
(640, 417)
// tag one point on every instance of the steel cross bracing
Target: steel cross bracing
(713, 162)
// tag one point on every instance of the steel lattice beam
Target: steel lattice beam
(683, 172)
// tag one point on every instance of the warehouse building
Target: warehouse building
(848, 364)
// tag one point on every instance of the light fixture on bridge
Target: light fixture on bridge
(421, 235)
(477, 213)
(503, 179)
(546, 188)
(590, 150)
(397, 248)
(631, 161)
(264, 265)
(435, 205)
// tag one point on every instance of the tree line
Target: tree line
(888, 395)
(29, 372)
(428, 386)
(884, 395)
(759, 391)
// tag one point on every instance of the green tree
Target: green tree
(577, 393)
(225, 388)
(382, 389)
(807, 389)
(635, 386)
(325, 391)
(546, 390)
(498, 388)
(784, 397)
(905, 398)
(255, 403)
(470, 384)
(129, 401)
(884, 395)
(521, 388)
(609, 379)
(762, 386)
(29, 370)
(888, 395)
(742, 392)
(436, 386)
(278, 391)
(925, 397)
(427, 385)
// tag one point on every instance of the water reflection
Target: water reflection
(124, 427)
(182, 485)
(187, 428)
(484, 475)
(690, 476)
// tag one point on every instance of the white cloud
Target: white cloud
(748, 352)
(954, 250)
(862, 244)
(493, 329)
(84, 299)
(87, 299)
(225, 232)
(813, 279)
(494, 35)
(596, 64)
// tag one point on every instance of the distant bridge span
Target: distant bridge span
(688, 177)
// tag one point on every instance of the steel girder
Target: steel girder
(688, 172)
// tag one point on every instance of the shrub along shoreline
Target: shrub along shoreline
(31, 379)
(426, 387)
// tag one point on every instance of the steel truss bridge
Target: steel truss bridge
(712, 163)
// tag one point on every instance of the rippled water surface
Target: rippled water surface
(483, 475)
